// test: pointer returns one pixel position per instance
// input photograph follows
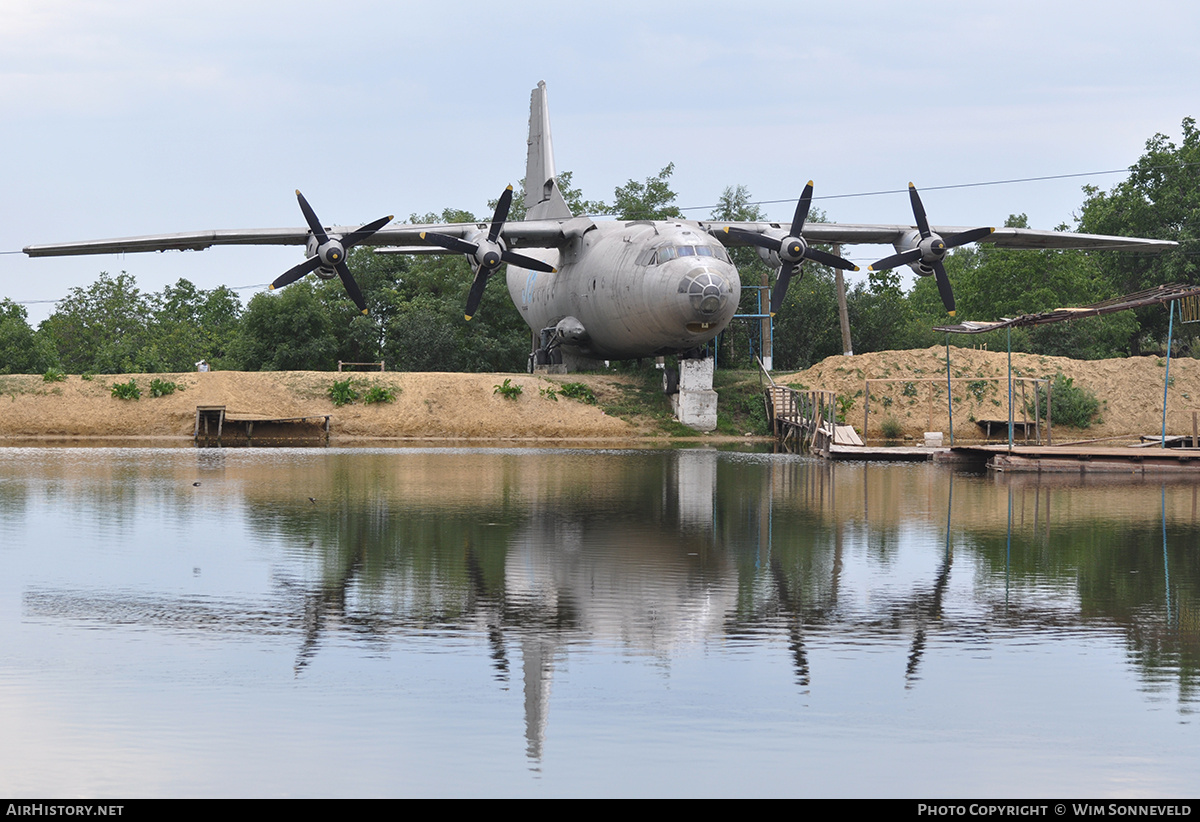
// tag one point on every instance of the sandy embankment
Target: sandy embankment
(465, 406)
(438, 405)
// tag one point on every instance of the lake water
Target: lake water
(534, 622)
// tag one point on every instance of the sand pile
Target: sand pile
(1130, 391)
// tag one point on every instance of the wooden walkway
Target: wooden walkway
(807, 419)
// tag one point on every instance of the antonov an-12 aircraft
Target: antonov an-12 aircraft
(612, 290)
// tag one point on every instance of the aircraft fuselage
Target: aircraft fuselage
(636, 289)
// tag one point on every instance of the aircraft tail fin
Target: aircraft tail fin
(543, 200)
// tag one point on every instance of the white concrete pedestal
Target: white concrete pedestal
(695, 404)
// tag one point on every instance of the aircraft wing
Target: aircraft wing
(531, 234)
(898, 235)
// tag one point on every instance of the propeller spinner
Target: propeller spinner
(931, 250)
(792, 249)
(487, 255)
(331, 253)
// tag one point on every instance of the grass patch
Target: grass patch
(741, 408)
(577, 391)
(54, 375)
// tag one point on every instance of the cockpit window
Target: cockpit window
(667, 253)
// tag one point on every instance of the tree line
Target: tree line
(416, 323)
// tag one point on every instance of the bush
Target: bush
(378, 393)
(161, 388)
(126, 390)
(1073, 406)
(342, 393)
(53, 375)
(508, 389)
(891, 429)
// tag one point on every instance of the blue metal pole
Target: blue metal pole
(1167, 375)
(949, 397)
(1010, 398)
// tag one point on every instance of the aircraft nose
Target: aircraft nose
(707, 291)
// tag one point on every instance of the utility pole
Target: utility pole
(843, 315)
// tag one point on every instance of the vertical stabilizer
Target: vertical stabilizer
(543, 201)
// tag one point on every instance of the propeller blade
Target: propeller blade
(825, 258)
(355, 237)
(954, 241)
(481, 278)
(449, 243)
(296, 272)
(943, 284)
(781, 287)
(903, 258)
(501, 214)
(918, 211)
(802, 209)
(751, 238)
(351, 287)
(310, 217)
(522, 261)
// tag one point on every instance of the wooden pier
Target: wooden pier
(215, 425)
(1080, 459)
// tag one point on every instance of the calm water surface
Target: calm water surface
(290, 622)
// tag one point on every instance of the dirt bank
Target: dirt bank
(426, 405)
(466, 406)
(1130, 391)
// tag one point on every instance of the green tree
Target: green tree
(881, 318)
(991, 283)
(22, 350)
(287, 330)
(807, 329)
(1160, 199)
(651, 200)
(102, 328)
(742, 338)
(189, 324)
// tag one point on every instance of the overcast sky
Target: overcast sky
(128, 118)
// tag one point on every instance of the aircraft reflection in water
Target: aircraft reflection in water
(655, 552)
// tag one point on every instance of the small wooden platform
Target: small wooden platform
(213, 421)
(1061, 459)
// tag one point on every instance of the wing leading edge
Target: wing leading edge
(531, 234)
(1017, 238)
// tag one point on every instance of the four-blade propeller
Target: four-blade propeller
(792, 249)
(487, 255)
(331, 253)
(930, 250)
